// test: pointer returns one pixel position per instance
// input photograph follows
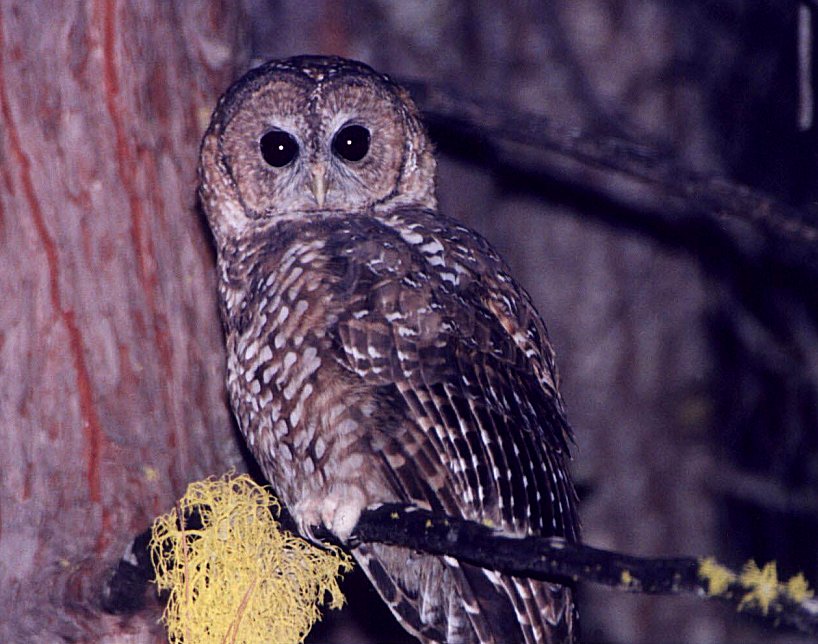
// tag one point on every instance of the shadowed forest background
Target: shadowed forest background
(691, 381)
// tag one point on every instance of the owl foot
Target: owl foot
(338, 512)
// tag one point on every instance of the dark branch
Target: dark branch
(763, 491)
(538, 557)
(729, 226)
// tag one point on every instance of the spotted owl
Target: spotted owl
(379, 351)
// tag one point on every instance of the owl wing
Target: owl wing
(470, 422)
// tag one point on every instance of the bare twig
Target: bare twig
(763, 491)
(729, 226)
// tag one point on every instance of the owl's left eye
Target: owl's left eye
(351, 143)
(278, 148)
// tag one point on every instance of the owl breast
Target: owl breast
(304, 413)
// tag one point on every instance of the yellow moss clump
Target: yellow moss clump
(239, 578)
(764, 589)
(797, 588)
(763, 585)
(718, 577)
(626, 578)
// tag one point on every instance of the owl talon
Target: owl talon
(338, 512)
(305, 528)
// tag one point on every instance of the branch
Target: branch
(763, 491)
(729, 226)
(753, 591)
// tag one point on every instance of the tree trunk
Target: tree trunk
(111, 352)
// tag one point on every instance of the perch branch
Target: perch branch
(756, 592)
(477, 544)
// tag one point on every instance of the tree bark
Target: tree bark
(111, 393)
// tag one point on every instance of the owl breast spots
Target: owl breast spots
(273, 358)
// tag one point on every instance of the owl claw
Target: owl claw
(305, 528)
(338, 512)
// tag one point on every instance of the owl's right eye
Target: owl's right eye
(278, 148)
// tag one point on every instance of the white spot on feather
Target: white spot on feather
(320, 447)
(432, 248)
(301, 307)
(295, 415)
(412, 238)
(251, 351)
(268, 374)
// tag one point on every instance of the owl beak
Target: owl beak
(318, 185)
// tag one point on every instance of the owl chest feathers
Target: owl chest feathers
(309, 307)
(320, 313)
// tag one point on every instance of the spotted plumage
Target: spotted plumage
(378, 350)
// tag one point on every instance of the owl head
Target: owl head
(312, 135)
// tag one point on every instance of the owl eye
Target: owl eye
(278, 148)
(351, 143)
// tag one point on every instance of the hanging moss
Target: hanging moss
(238, 577)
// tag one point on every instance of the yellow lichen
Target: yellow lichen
(762, 583)
(797, 588)
(718, 577)
(239, 578)
(625, 578)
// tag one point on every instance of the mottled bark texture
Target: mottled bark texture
(111, 394)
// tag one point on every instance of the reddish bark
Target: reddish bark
(111, 392)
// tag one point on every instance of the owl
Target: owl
(379, 351)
